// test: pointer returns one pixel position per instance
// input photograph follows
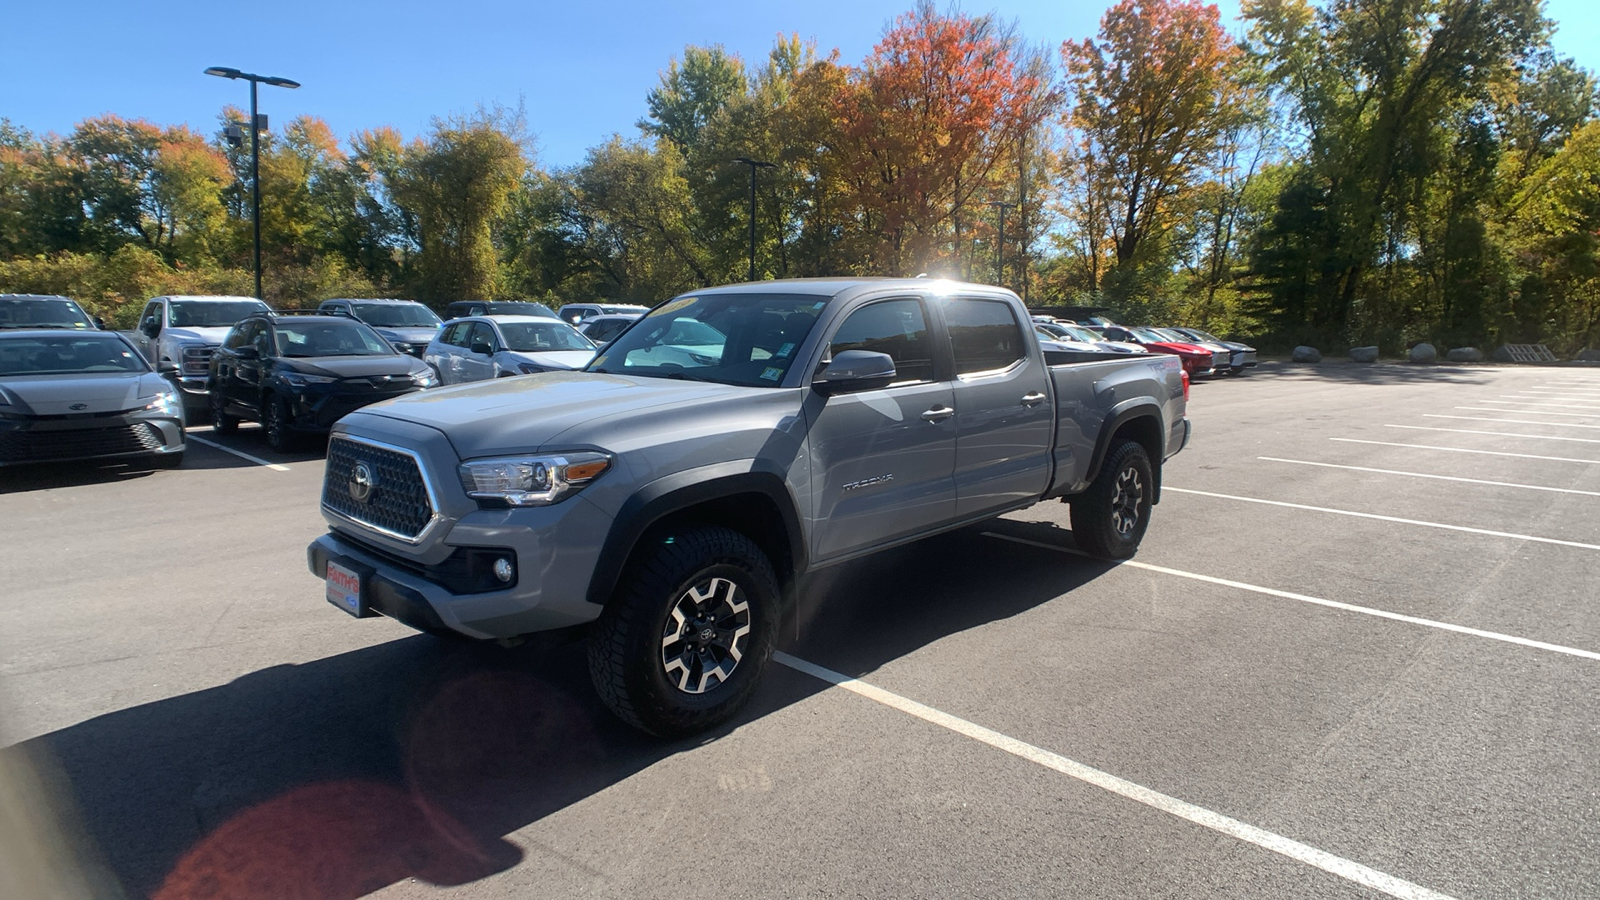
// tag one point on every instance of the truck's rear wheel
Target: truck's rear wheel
(683, 642)
(1110, 518)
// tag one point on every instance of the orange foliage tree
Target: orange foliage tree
(1152, 100)
(921, 128)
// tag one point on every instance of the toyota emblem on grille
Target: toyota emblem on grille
(362, 481)
(76, 406)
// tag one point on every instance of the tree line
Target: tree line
(1344, 172)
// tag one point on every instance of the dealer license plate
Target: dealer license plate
(344, 589)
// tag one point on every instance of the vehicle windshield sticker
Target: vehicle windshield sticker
(819, 305)
(785, 350)
(772, 373)
(674, 306)
(599, 360)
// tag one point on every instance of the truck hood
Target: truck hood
(55, 395)
(526, 414)
(211, 336)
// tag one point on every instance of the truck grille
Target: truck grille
(39, 446)
(197, 360)
(398, 504)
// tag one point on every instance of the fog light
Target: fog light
(503, 570)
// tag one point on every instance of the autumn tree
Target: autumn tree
(921, 128)
(1152, 100)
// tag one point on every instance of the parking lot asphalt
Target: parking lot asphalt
(1358, 654)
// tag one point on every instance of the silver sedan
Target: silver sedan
(479, 348)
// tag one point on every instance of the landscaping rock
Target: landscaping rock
(1306, 355)
(1465, 354)
(1424, 353)
(1590, 355)
(1364, 354)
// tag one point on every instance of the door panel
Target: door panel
(1004, 417)
(881, 470)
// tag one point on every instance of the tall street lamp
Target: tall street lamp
(754, 164)
(1000, 207)
(255, 148)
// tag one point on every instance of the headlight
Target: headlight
(424, 379)
(301, 379)
(532, 480)
(166, 402)
(531, 369)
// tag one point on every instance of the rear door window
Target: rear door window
(984, 335)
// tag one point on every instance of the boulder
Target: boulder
(1305, 354)
(1364, 354)
(1465, 354)
(1590, 355)
(1424, 352)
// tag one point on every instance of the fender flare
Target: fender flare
(1141, 410)
(682, 490)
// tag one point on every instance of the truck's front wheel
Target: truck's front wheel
(1110, 518)
(683, 642)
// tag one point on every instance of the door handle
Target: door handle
(937, 414)
(1032, 399)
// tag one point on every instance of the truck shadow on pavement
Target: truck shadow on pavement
(416, 758)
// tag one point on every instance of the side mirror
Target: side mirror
(855, 370)
(167, 369)
(149, 326)
(481, 348)
(100, 323)
(247, 352)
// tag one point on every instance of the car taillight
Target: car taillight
(1185, 385)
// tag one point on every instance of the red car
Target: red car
(1196, 359)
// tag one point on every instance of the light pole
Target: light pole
(754, 164)
(1000, 207)
(255, 148)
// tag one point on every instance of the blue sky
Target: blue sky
(582, 70)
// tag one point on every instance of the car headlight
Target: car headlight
(164, 402)
(530, 368)
(301, 379)
(424, 379)
(532, 480)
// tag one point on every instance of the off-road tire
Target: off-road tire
(626, 643)
(1100, 515)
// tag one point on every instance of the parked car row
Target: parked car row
(71, 390)
(1202, 353)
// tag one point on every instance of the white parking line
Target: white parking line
(1525, 402)
(1396, 519)
(1318, 601)
(1510, 421)
(1539, 437)
(257, 460)
(1530, 412)
(1592, 462)
(1531, 487)
(1565, 392)
(1199, 815)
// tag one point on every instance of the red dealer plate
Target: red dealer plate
(344, 589)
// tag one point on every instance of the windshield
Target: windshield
(50, 312)
(1081, 334)
(604, 330)
(539, 337)
(1148, 335)
(743, 339)
(395, 315)
(1202, 335)
(67, 354)
(519, 308)
(1167, 334)
(305, 339)
(210, 313)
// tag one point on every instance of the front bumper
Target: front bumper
(317, 411)
(554, 549)
(39, 439)
(1244, 359)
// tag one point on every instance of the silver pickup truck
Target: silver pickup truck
(179, 334)
(670, 498)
